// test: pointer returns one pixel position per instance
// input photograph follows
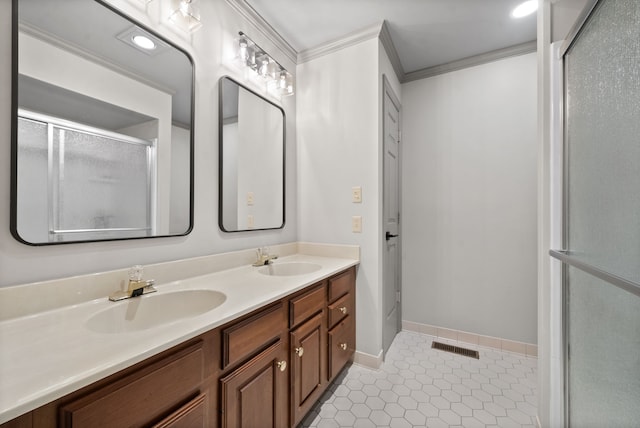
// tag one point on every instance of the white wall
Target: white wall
(469, 199)
(260, 131)
(338, 148)
(211, 49)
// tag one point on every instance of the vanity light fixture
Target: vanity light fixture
(525, 9)
(186, 16)
(263, 67)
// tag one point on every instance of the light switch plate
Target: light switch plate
(356, 194)
(249, 198)
(356, 224)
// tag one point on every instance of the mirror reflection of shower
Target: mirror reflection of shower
(79, 182)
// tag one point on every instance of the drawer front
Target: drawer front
(342, 344)
(247, 337)
(341, 284)
(341, 308)
(161, 386)
(193, 415)
(303, 307)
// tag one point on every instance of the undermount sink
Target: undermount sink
(141, 313)
(289, 269)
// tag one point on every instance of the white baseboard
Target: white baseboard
(527, 349)
(367, 360)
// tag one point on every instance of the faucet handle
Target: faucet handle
(135, 273)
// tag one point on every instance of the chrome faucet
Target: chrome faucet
(137, 286)
(263, 257)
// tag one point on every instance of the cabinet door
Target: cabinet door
(255, 395)
(308, 365)
(342, 344)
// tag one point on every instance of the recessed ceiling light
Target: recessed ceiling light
(525, 9)
(143, 41)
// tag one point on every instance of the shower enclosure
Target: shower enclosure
(601, 218)
(81, 183)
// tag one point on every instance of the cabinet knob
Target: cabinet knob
(343, 309)
(282, 365)
(299, 351)
(343, 346)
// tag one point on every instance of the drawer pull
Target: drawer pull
(299, 351)
(343, 310)
(343, 346)
(282, 365)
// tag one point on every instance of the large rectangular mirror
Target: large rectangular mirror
(102, 126)
(252, 138)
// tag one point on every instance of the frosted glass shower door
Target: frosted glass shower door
(602, 219)
(82, 183)
(101, 185)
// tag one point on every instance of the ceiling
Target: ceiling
(425, 33)
(91, 30)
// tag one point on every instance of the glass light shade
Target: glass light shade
(186, 16)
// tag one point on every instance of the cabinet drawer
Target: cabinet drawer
(342, 307)
(341, 284)
(192, 415)
(303, 307)
(142, 397)
(247, 337)
(342, 344)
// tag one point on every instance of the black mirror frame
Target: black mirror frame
(14, 132)
(220, 153)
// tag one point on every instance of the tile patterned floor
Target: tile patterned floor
(422, 387)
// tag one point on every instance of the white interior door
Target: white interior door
(391, 209)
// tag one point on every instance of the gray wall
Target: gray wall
(469, 199)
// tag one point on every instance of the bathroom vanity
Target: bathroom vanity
(265, 366)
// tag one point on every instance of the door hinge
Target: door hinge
(398, 296)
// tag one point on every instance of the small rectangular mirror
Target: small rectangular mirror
(252, 139)
(102, 119)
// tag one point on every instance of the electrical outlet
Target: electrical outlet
(250, 221)
(356, 194)
(356, 224)
(249, 198)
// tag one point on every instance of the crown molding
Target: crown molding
(392, 53)
(335, 45)
(250, 14)
(498, 54)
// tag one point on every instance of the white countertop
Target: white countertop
(47, 355)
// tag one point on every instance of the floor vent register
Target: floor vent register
(456, 350)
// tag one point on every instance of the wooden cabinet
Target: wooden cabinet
(141, 398)
(341, 321)
(254, 390)
(255, 395)
(193, 414)
(308, 356)
(265, 369)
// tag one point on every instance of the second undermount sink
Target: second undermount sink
(142, 313)
(289, 268)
